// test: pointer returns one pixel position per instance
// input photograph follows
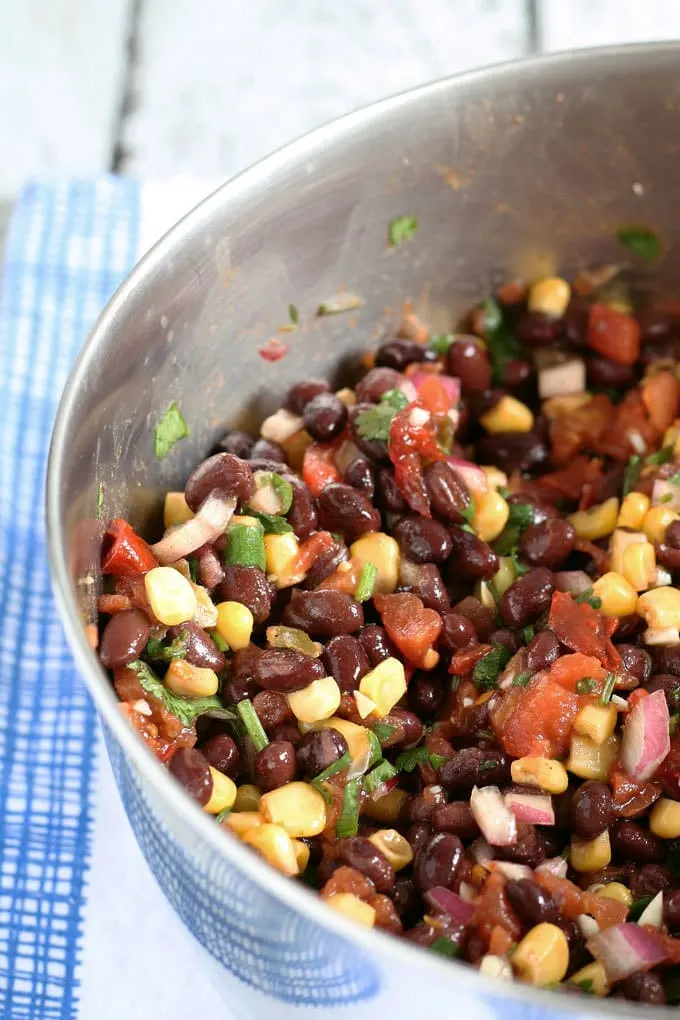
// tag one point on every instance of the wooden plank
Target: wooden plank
(62, 64)
(564, 26)
(216, 92)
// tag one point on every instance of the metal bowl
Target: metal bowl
(513, 170)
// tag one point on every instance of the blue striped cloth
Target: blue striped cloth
(69, 246)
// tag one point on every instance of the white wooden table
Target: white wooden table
(204, 87)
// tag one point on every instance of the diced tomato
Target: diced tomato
(668, 772)
(112, 604)
(463, 661)
(432, 393)
(318, 466)
(583, 629)
(492, 909)
(631, 798)
(570, 481)
(637, 695)
(569, 669)
(581, 428)
(134, 590)
(124, 552)
(670, 945)
(413, 628)
(661, 397)
(535, 720)
(630, 426)
(409, 444)
(600, 557)
(273, 350)
(501, 940)
(344, 578)
(614, 334)
(573, 901)
(311, 549)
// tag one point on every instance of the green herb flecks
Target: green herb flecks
(445, 947)
(186, 710)
(379, 775)
(638, 906)
(271, 523)
(222, 815)
(401, 229)
(407, 761)
(631, 473)
(520, 568)
(487, 765)
(500, 342)
(529, 634)
(377, 421)
(366, 584)
(440, 343)
(251, 723)
(486, 671)
(383, 731)
(155, 649)
(522, 679)
(170, 429)
(219, 640)
(342, 763)
(589, 598)
(661, 456)
(640, 240)
(586, 985)
(608, 689)
(586, 686)
(348, 822)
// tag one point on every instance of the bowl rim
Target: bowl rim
(292, 894)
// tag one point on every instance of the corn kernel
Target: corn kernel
(590, 854)
(241, 822)
(633, 510)
(660, 607)
(298, 807)
(505, 575)
(275, 845)
(387, 808)
(354, 908)
(664, 819)
(542, 957)
(385, 685)
(657, 520)
(619, 542)
(191, 681)
(550, 296)
(639, 565)
(589, 760)
(596, 522)
(364, 705)
(301, 855)
(206, 610)
(617, 596)
(495, 478)
(597, 722)
(395, 847)
(594, 977)
(555, 407)
(247, 798)
(347, 396)
(478, 875)
(616, 891)
(490, 516)
(670, 435)
(316, 702)
(383, 552)
(495, 966)
(296, 447)
(546, 773)
(223, 793)
(281, 552)
(485, 594)
(176, 510)
(508, 415)
(235, 624)
(170, 595)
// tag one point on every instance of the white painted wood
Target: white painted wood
(222, 82)
(568, 24)
(61, 71)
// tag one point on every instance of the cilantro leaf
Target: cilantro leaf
(637, 907)
(375, 423)
(155, 648)
(272, 524)
(401, 229)
(586, 686)
(170, 429)
(487, 765)
(293, 314)
(383, 731)
(640, 240)
(521, 515)
(440, 343)
(500, 342)
(631, 473)
(661, 456)
(587, 596)
(407, 761)
(383, 771)
(445, 947)
(586, 986)
(522, 679)
(222, 815)
(187, 710)
(486, 670)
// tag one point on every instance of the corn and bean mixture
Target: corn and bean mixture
(417, 644)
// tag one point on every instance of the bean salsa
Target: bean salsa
(417, 644)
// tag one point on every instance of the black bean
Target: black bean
(666, 659)
(575, 323)
(422, 540)
(649, 880)
(302, 515)
(644, 987)
(406, 899)
(400, 353)
(667, 556)
(124, 638)
(326, 564)
(302, 392)
(536, 329)
(482, 618)
(272, 708)
(407, 728)
(377, 381)
(467, 358)
(426, 695)
(542, 651)
(324, 417)
(547, 544)
(237, 442)
(437, 863)
(669, 684)
(275, 765)
(344, 509)
(319, 749)
(656, 324)
(662, 350)
(376, 643)
(359, 853)
(267, 449)
(221, 751)
(527, 597)
(541, 509)
(512, 451)
(345, 659)
(515, 373)
(455, 817)
(592, 809)
(200, 647)
(505, 637)
(361, 475)
(603, 373)
(448, 493)
(250, 586)
(671, 910)
(635, 661)
(285, 670)
(672, 535)
(632, 842)
(531, 902)
(463, 771)
(223, 472)
(389, 495)
(192, 770)
(287, 731)
(457, 631)
(528, 848)
(471, 556)
(323, 614)
(418, 835)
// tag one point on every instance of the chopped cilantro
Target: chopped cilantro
(661, 456)
(608, 689)
(468, 512)
(632, 473)
(100, 500)
(219, 640)
(401, 229)
(486, 670)
(487, 765)
(187, 710)
(170, 429)
(640, 240)
(586, 986)
(437, 760)
(293, 314)
(445, 947)
(520, 568)
(667, 498)
(383, 731)
(155, 649)
(521, 515)
(440, 343)
(383, 771)
(348, 822)
(529, 634)
(637, 907)
(587, 596)
(364, 589)
(337, 766)
(272, 524)
(376, 422)
(522, 679)
(500, 342)
(586, 686)
(408, 760)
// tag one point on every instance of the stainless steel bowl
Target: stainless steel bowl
(509, 170)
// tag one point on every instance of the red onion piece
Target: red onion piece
(210, 569)
(470, 473)
(554, 866)
(625, 949)
(646, 740)
(210, 521)
(441, 898)
(384, 788)
(573, 581)
(497, 823)
(536, 808)
(450, 384)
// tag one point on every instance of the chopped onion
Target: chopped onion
(625, 949)
(554, 866)
(573, 581)
(467, 892)
(511, 870)
(470, 473)
(450, 384)
(661, 490)
(663, 577)
(653, 912)
(205, 526)
(480, 850)
(661, 636)
(364, 704)
(497, 823)
(441, 898)
(588, 925)
(561, 378)
(409, 573)
(646, 740)
(281, 426)
(496, 967)
(536, 808)
(620, 703)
